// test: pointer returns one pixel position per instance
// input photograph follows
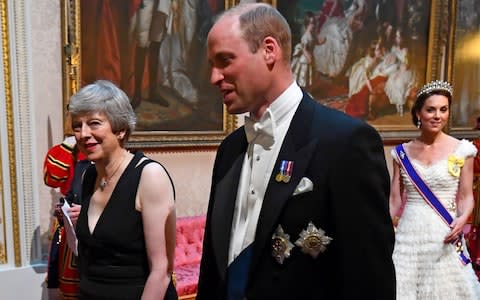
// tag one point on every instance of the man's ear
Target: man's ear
(271, 49)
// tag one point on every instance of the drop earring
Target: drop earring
(419, 124)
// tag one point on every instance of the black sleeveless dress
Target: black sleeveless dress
(113, 261)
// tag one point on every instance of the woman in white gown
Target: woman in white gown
(358, 74)
(427, 264)
(400, 83)
(302, 60)
(335, 37)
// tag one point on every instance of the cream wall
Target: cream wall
(35, 63)
(46, 85)
(191, 173)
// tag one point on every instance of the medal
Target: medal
(279, 177)
(313, 240)
(281, 245)
(280, 174)
(285, 172)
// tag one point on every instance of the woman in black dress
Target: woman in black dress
(126, 227)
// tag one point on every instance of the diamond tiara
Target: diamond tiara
(437, 85)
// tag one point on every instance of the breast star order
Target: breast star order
(281, 245)
(313, 240)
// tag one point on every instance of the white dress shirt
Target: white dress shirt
(258, 165)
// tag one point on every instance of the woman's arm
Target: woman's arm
(465, 202)
(395, 199)
(155, 199)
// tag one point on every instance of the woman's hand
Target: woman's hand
(457, 229)
(74, 212)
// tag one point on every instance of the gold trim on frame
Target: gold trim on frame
(271, 2)
(10, 135)
(71, 58)
(451, 39)
(433, 46)
(230, 3)
(467, 132)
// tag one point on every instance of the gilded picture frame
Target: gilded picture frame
(10, 219)
(463, 67)
(333, 62)
(104, 39)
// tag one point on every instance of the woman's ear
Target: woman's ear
(121, 134)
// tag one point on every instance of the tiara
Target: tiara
(437, 85)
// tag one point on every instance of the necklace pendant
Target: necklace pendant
(104, 181)
(103, 184)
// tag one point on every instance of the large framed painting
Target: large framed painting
(155, 51)
(367, 58)
(464, 67)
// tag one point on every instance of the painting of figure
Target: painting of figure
(366, 58)
(155, 51)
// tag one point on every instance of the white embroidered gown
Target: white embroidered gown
(426, 267)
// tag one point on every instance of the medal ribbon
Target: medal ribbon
(429, 197)
(289, 169)
(283, 167)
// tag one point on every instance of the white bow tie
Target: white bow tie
(260, 132)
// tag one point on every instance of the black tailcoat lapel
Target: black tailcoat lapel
(224, 204)
(298, 146)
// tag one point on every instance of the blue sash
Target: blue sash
(237, 275)
(429, 197)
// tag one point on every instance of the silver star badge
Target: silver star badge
(313, 240)
(281, 245)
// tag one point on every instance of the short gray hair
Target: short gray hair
(105, 97)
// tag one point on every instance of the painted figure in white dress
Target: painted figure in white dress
(335, 37)
(400, 83)
(302, 59)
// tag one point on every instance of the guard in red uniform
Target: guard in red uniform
(58, 172)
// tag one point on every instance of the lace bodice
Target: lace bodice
(437, 176)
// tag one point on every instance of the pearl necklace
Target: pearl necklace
(104, 182)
